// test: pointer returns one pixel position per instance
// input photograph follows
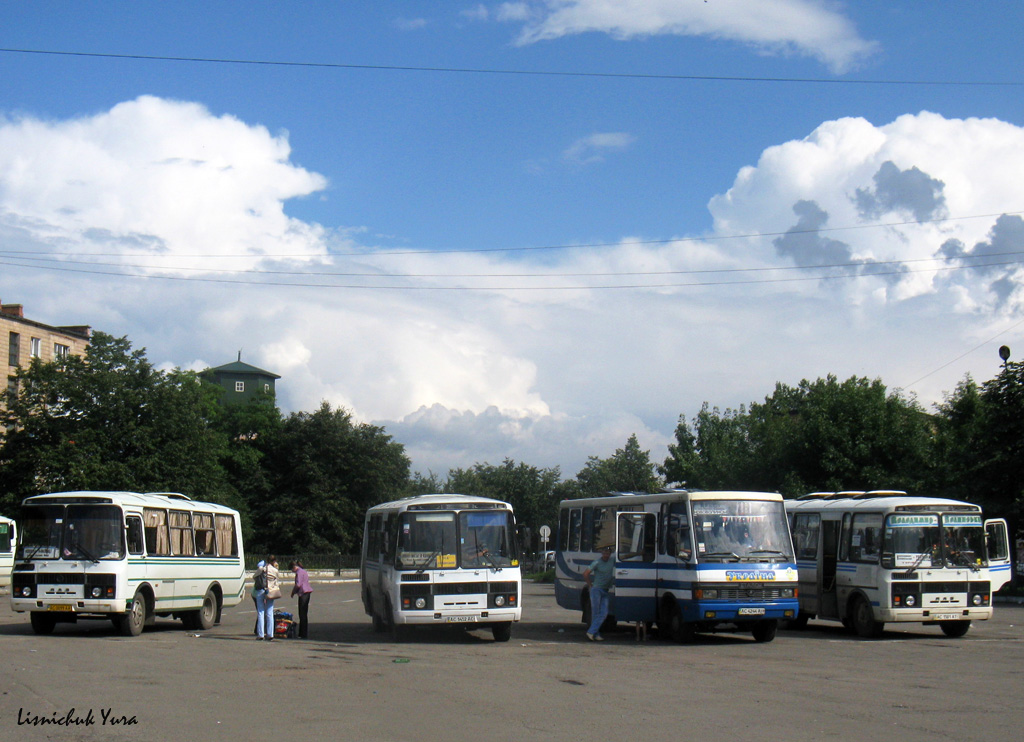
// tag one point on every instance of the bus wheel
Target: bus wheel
(397, 630)
(863, 620)
(42, 623)
(676, 628)
(502, 631)
(135, 618)
(378, 623)
(764, 631)
(954, 629)
(207, 615)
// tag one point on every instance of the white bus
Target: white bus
(870, 558)
(8, 540)
(126, 557)
(690, 561)
(441, 559)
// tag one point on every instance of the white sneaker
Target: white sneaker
(590, 636)
(598, 638)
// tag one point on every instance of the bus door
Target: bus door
(636, 574)
(999, 558)
(829, 561)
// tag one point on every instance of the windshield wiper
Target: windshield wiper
(720, 554)
(85, 552)
(430, 558)
(483, 553)
(774, 552)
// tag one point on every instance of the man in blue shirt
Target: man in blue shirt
(599, 576)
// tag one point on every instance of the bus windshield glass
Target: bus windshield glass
(92, 532)
(486, 538)
(933, 540)
(426, 540)
(741, 530)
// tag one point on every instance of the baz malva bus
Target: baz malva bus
(441, 560)
(691, 562)
(126, 557)
(870, 558)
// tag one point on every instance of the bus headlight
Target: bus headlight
(707, 594)
(96, 592)
(977, 600)
(26, 592)
(788, 592)
(421, 603)
(910, 601)
(499, 601)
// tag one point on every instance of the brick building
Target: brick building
(26, 339)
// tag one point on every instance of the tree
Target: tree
(325, 471)
(629, 469)
(109, 420)
(820, 435)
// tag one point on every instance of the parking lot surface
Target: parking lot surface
(548, 683)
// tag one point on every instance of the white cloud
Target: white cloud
(547, 377)
(592, 148)
(807, 27)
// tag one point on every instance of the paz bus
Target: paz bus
(126, 557)
(690, 561)
(8, 540)
(441, 559)
(870, 558)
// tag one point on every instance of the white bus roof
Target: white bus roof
(438, 499)
(638, 498)
(873, 500)
(138, 499)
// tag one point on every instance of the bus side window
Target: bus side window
(587, 537)
(677, 532)
(227, 538)
(157, 540)
(574, 529)
(206, 543)
(844, 538)
(637, 534)
(806, 530)
(136, 540)
(563, 530)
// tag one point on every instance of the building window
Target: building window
(266, 388)
(239, 386)
(61, 351)
(14, 350)
(37, 347)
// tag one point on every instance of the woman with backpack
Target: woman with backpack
(271, 592)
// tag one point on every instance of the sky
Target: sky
(523, 230)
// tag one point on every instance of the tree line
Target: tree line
(109, 420)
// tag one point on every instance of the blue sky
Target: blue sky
(201, 208)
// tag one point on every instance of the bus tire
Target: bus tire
(954, 629)
(206, 616)
(135, 617)
(378, 621)
(398, 631)
(502, 631)
(764, 631)
(42, 623)
(863, 620)
(676, 628)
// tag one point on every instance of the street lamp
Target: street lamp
(1004, 353)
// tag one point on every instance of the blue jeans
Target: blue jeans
(598, 609)
(264, 615)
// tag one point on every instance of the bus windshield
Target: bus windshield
(741, 530)
(921, 540)
(91, 532)
(447, 539)
(486, 538)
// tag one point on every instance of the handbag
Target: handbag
(274, 593)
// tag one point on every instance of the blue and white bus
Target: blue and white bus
(870, 558)
(126, 557)
(689, 561)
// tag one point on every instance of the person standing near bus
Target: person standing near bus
(272, 594)
(600, 577)
(304, 591)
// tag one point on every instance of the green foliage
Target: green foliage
(108, 420)
(324, 472)
(821, 435)
(629, 469)
(532, 492)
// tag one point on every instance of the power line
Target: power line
(537, 248)
(488, 71)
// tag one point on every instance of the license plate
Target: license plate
(945, 616)
(60, 607)
(751, 611)
(462, 619)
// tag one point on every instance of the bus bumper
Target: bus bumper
(953, 613)
(716, 611)
(464, 618)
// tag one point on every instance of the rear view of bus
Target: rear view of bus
(126, 557)
(441, 559)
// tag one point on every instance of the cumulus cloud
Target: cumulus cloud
(544, 376)
(807, 27)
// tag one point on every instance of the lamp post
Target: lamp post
(1004, 353)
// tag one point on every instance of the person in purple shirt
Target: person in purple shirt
(304, 591)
